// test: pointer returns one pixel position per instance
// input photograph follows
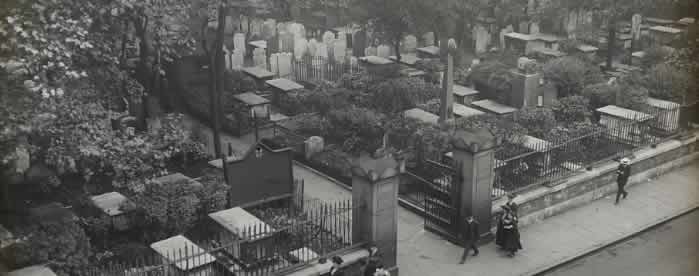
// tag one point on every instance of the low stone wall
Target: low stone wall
(542, 202)
(352, 262)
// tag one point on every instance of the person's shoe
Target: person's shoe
(462, 261)
(616, 202)
(475, 253)
(624, 195)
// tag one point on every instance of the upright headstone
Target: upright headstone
(230, 27)
(244, 24)
(328, 37)
(534, 28)
(284, 64)
(342, 37)
(359, 43)
(237, 59)
(339, 51)
(312, 47)
(354, 61)
(259, 58)
(428, 39)
(269, 28)
(383, 51)
(239, 42)
(572, 22)
(482, 38)
(274, 63)
(636, 20)
(503, 32)
(300, 48)
(410, 44)
(322, 50)
(370, 51)
(227, 57)
(256, 27)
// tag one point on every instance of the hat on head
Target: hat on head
(505, 207)
(511, 195)
(625, 160)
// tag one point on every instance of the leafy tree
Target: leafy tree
(601, 94)
(505, 129)
(571, 74)
(170, 208)
(669, 83)
(391, 19)
(632, 94)
(360, 129)
(400, 94)
(537, 120)
(572, 109)
(61, 244)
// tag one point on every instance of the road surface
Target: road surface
(671, 249)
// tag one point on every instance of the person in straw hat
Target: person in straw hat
(623, 172)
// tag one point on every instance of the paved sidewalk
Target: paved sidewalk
(548, 243)
(556, 239)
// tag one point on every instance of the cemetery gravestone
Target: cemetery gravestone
(410, 44)
(300, 48)
(312, 47)
(505, 31)
(256, 27)
(239, 42)
(370, 51)
(383, 51)
(534, 28)
(339, 51)
(237, 60)
(428, 39)
(353, 63)
(359, 44)
(259, 58)
(328, 38)
(286, 42)
(227, 57)
(274, 63)
(482, 38)
(314, 144)
(322, 50)
(284, 64)
(269, 28)
(244, 24)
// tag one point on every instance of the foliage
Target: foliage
(358, 129)
(669, 83)
(61, 244)
(571, 109)
(537, 120)
(214, 194)
(335, 159)
(505, 129)
(571, 75)
(309, 124)
(496, 77)
(390, 19)
(431, 105)
(432, 67)
(16, 110)
(562, 133)
(170, 207)
(400, 94)
(601, 94)
(655, 55)
(633, 95)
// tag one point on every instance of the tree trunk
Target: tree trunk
(216, 69)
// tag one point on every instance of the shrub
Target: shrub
(655, 55)
(334, 161)
(571, 109)
(632, 94)
(399, 94)
(431, 105)
(506, 130)
(358, 129)
(537, 120)
(601, 94)
(669, 83)
(570, 74)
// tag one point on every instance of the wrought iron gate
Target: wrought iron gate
(441, 214)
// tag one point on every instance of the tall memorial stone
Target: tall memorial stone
(237, 59)
(428, 39)
(239, 42)
(447, 96)
(383, 51)
(359, 43)
(269, 28)
(328, 37)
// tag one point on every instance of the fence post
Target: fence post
(375, 199)
(474, 156)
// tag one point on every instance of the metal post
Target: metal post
(254, 118)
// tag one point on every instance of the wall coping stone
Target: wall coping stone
(605, 168)
(315, 268)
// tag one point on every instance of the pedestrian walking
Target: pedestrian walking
(470, 237)
(623, 172)
(510, 235)
(336, 269)
(499, 230)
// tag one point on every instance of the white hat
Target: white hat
(625, 160)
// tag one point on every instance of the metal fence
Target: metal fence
(317, 69)
(285, 241)
(546, 162)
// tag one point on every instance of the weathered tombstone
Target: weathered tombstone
(339, 51)
(274, 63)
(312, 47)
(636, 20)
(447, 94)
(428, 39)
(572, 22)
(370, 51)
(322, 50)
(244, 24)
(359, 43)
(353, 63)
(314, 144)
(239, 42)
(328, 37)
(256, 27)
(410, 44)
(383, 51)
(269, 28)
(286, 41)
(259, 58)
(503, 32)
(300, 48)
(534, 28)
(284, 64)
(342, 37)
(482, 38)
(227, 57)
(237, 59)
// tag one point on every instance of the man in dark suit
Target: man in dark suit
(623, 172)
(470, 237)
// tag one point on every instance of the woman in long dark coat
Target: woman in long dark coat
(510, 235)
(499, 233)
